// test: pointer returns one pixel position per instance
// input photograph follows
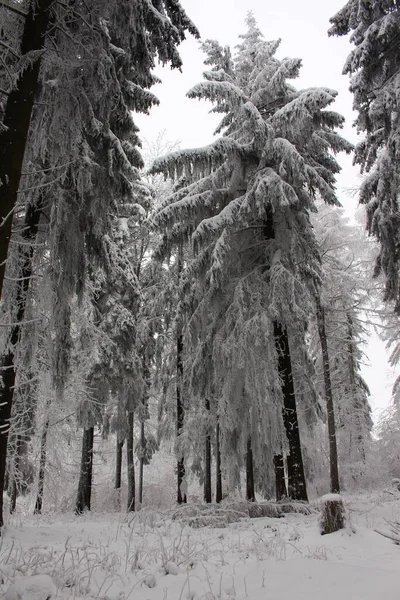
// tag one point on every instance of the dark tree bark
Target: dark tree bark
(250, 493)
(180, 417)
(8, 372)
(280, 483)
(218, 472)
(130, 465)
(333, 515)
(118, 464)
(297, 489)
(296, 478)
(333, 454)
(141, 461)
(207, 462)
(144, 415)
(17, 119)
(86, 474)
(180, 409)
(42, 468)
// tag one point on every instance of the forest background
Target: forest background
(122, 340)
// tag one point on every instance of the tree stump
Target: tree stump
(333, 516)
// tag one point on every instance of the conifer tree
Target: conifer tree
(113, 363)
(374, 69)
(18, 300)
(81, 130)
(245, 200)
(111, 58)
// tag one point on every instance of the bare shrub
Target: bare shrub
(296, 507)
(264, 509)
(393, 533)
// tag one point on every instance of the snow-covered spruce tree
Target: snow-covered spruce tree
(245, 201)
(345, 291)
(14, 306)
(171, 357)
(20, 469)
(374, 68)
(106, 141)
(113, 365)
(136, 244)
(115, 43)
(201, 425)
(28, 359)
(22, 322)
(88, 144)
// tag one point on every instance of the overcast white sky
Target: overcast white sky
(302, 26)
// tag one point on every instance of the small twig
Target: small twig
(42, 185)
(13, 9)
(11, 50)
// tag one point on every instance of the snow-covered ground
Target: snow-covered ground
(150, 556)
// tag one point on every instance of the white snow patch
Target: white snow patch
(331, 498)
(35, 587)
(171, 568)
(99, 555)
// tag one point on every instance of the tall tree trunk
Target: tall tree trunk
(118, 464)
(180, 416)
(42, 467)
(13, 494)
(180, 409)
(333, 455)
(130, 464)
(296, 478)
(144, 415)
(15, 476)
(218, 472)
(17, 117)
(141, 462)
(358, 408)
(86, 474)
(250, 493)
(280, 483)
(207, 461)
(7, 368)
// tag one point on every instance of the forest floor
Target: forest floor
(150, 556)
